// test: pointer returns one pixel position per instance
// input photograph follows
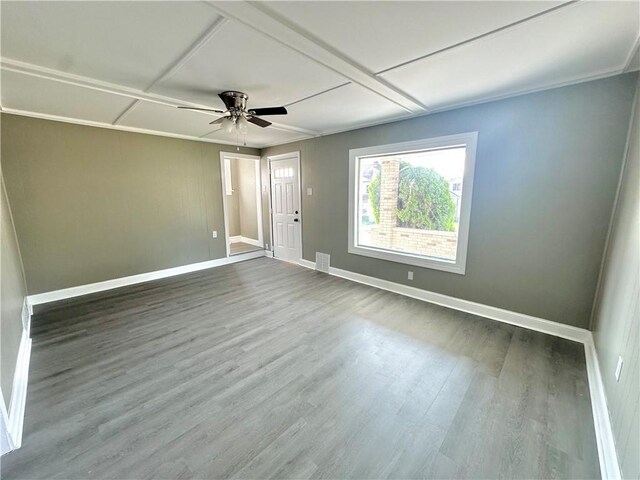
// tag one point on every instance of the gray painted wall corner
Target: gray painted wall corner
(616, 319)
(546, 172)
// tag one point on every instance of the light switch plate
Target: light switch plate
(410, 275)
(309, 191)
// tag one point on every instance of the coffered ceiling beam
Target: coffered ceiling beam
(260, 18)
(178, 63)
(10, 65)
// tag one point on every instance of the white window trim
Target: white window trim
(469, 140)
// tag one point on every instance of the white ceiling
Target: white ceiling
(335, 65)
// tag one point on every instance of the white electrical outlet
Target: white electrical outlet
(266, 246)
(410, 275)
(215, 234)
(309, 191)
(618, 368)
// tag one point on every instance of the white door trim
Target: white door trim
(285, 156)
(257, 159)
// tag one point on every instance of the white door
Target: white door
(285, 207)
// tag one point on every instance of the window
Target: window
(410, 202)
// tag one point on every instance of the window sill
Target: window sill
(409, 259)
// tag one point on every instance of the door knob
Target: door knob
(295, 220)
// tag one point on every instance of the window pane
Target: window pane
(410, 202)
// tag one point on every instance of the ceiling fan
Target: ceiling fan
(236, 115)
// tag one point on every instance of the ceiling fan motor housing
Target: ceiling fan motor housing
(236, 102)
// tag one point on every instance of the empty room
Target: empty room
(320, 239)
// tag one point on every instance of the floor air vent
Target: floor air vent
(323, 261)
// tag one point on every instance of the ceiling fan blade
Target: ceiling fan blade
(258, 121)
(217, 121)
(268, 111)
(201, 109)
(227, 100)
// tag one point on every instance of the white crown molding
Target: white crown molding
(16, 66)
(123, 128)
(609, 72)
(453, 106)
(264, 20)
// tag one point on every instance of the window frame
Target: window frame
(469, 140)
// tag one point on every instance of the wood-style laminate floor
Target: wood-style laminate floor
(264, 369)
(237, 248)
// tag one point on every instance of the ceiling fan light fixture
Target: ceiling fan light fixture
(242, 125)
(228, 125)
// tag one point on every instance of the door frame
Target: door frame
(274, 158)
(257, 160)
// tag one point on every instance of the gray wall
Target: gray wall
(12, 292)
(233, 201)
(247, 198)
(546, 172)
(616, 318)
(242, 214)
(93, 204)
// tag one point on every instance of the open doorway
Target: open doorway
(242, 200)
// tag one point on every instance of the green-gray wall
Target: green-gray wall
(242, 215)
(12, 293)
(233, 201)
(546, 172)
(616, 321)
(248, 204)
(93, 204)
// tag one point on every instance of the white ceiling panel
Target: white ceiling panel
(239, 58)
(33, 94)
(258, 137)
(342, 108)
(128, 43)
(153, 116)
(578, 41)
(380, 35)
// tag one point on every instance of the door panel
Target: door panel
(278, 197)
(285, 190)
(279, 234)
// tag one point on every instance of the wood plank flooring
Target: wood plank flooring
(263, 369)
(237, 248)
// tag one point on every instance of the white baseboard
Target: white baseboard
(19, 392)
(307, 264)
(5, 439)
(27, 311)
(241, 239)
(268, 253)
(65, 293)
(604, 434)
(609, 467)
(251, 241)
(519, 319)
